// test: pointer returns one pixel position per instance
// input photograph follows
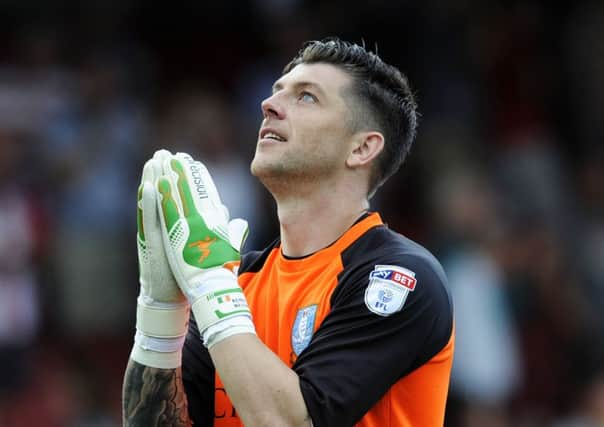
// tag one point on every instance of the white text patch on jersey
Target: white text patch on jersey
(388, 288)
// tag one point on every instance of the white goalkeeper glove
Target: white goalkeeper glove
(162, 311)
(203, 248)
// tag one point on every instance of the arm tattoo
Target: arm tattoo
(154, 397)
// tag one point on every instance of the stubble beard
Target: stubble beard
(290, 175)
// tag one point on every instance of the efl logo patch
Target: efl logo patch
(303, 328)
(389, 286)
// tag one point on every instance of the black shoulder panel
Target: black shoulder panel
(381, 245)
(252, 262)
(358, 352)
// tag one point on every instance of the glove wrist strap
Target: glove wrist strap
(161, 320)
(154, 359)
(160, 345)
(217, 296)
(227, 328)
(220, 309)
(161, 329)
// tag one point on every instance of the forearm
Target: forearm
(153, 397)
(262, 388)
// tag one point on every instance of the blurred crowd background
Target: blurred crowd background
(505, 183)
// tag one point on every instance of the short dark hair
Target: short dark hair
(383, 99)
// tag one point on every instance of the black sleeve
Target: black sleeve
(253, 261)
(198, 376)
(356, 355)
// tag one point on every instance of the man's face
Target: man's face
(306, 131)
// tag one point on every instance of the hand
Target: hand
(163, 311)
(203, 248)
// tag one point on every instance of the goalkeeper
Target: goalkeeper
(340, 321)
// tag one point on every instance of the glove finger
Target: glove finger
(162, 154)
(201, 214)
(201, 182)
(191, 181)
(148, 209)
(159, 157)
(153, 166)
(204, 177)
(140, 228)
(238, 232)
(168, 202)
(146, 218)
(146, 212)
(149, 172)
(219, 212)
(178, 175)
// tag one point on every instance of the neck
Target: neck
(312, 218)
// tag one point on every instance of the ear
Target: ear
(366, 147)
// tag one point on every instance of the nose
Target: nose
(272, 108)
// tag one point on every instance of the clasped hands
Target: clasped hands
(188, 254)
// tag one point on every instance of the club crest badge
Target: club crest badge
(389, 286)
(303, 328)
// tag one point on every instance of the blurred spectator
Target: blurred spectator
(584, 66)
(487, 368)
(21, 238)
(589, 408)
(591, 234)
(202, 124)
(36, 86)
(92, 151)
(509, 157)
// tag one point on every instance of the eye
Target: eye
(307, 97)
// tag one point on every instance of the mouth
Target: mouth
(271, 135)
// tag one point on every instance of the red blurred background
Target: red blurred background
(505, 183)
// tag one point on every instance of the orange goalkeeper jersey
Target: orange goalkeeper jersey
(366, 323)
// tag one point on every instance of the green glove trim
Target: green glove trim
(140, 227)
(204, 248)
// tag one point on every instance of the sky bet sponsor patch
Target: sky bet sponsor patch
(388, 288)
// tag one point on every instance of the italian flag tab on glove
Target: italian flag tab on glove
(203, 248)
